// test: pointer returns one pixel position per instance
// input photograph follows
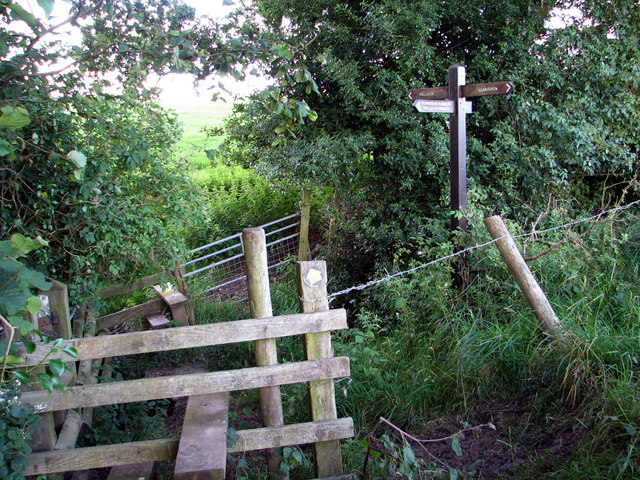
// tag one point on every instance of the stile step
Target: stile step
(202, 451)
(138, 471)
(157, 320)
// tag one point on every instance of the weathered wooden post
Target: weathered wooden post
(520, 270)
(312, 280)
(305, 212)
(255, 251)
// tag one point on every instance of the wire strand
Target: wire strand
(475, 247)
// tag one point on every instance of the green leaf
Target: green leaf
(69, 350)
(21, 323)
(455, 446)
(22, 244)
(228, 2)
(13, 360)
(34, 305)
(77, 175)
(57, 366)
(14, 118)
(46, 380)
(409, 456)
(77, 159)
(29, 346)
(284, 52)
(47, 6)
(5, 148)
(19, 13)
(22, 376)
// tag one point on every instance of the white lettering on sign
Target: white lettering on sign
(488, 89)
(435, 106)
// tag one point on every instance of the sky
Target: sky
(178, 89)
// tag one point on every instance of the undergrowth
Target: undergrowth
(426, 351)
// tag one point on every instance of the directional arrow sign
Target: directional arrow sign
(473, 90)
(436, 93)
(435, 106)
(481, 89)
(441, 106)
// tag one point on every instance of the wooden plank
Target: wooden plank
(202, 452)
(176, 302)
(100, 457)
(111, 320)
(312, 280)
(187, 385)
(157, 320)
(162, 450)
(189, 337)
(136, 471)
(120, 288)
(259, 292)
(68, 435)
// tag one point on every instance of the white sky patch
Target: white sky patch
(177, 88)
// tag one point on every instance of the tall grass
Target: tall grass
(420, 350)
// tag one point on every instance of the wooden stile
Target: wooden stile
(112, 319)
(205, 428)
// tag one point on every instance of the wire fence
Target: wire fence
(219, 269)
(475, 247)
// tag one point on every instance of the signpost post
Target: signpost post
(452, 100)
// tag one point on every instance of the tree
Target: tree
(558, 135)
(86, 154)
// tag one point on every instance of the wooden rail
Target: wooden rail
(90, 348)
(161, 450)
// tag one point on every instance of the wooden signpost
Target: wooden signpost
(452, 100)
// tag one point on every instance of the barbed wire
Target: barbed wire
(475, 247)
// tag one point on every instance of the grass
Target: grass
(193, 147)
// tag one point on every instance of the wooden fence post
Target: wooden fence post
(520, 270)
(305, 212)
(255, 251)
(312, 280)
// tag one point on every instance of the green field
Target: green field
(195, 143)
